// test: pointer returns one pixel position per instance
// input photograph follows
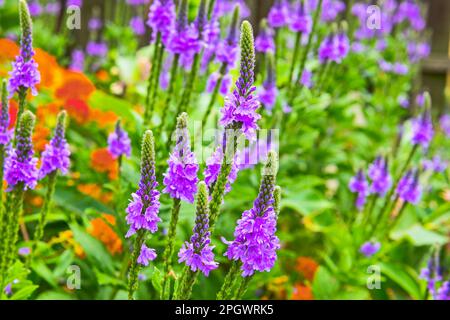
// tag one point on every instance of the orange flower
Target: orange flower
(302, 292)
(49, 69)
(9, 50)
(75, 86)
(43, 111)
(102, 231)
(13, 109)
(40, 137)
(94, 191)
(103, 118)
(103, 161)
(78, 110)
(66, 239)
(102, 75)
(307, 267)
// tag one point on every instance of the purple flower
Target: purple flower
(444, 291)
(137, 2)
(35, 8)
(56, 154)
(119, 143)
(8, 289)
(212, 170)
(181, 180)
(161, 18)
(408, 188)
(278, 14)
(227, 53)
(269, 92)
(327, 50)
(306, 79)
(445, 124)
(223, 7)
(422, 130)
(331, 9)
(301, 21)
(379, 174)
(97, 49)
(53, 8)
(370, 248)
(410, 11)
(400, 68)
(240, 107)
(146, 255)
(418, 51)
(436, 164)
(385, 66)
(358, 184)
(403, 102)
(197, 254)
(255, 243)
(142, 211)
(264, 41)
(24, 251)
(432, 273)
(138, 25)
(77, 63)
(94, 24)
(20, 165)
(225, 84)
(77, 3)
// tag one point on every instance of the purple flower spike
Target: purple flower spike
(137, 25)
(264, 42)
(213, 165)
(331, 9)
(20, 165)
(119, 143)
(142, 212)
(197, 254)
(409, 189)
(240, 107)
(255, 243)
(5, 133)
(77, 63)
(97, 49)
(370, 248)
(444, 291)
(181, 176)
(269, 92)
(161, 18)
(278, 14)
(445, 124)
(306, 79)
(146, 255)
(379, 174)
(358, 184)
(56, 154)
(301, 20)
(422, 130)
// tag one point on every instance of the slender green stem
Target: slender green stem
(168, 252)
(173, 74)
(153, 81)
(294, 59)
(134, 267)
(22, 107)
(242, 288)
(187, 282)
(229, 281)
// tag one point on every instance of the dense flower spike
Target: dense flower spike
(161, 18)
(137, 24)
(25, 73)
(142, 212)
(97, 49)
(213, 166)
(331, 9)
(5, 133)
(379, 174)
(432, 273)
(20, 165)
(358, 184)
(301, 20)
(197, 254)
(181, 180)
(240, 107)
(56, 154)
(77, 63)
(370, 248)
(408, 188)
(422, 130)
(119, 143)
(265, 42)
(255, 242)
(279, 14)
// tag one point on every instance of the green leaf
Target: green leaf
(156, 279)
(400, 275)
(325, 286)
(420, 236)
(102, 101)
(306, 203)
(55, 295)
(44, 272)
(104, 280)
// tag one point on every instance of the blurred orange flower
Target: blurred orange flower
(51, 72)
(302, 292)
(102, 230)
(40, 137)
(75, 86)
(66, 239)
(102, 75)
(307, 267)
(9, 50)
(95, 191)
(78, 110)
(13, 108)
(103, 118)
(103, 161)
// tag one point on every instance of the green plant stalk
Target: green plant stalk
(13, 212)
(134, 267)
(168, 251)
(308, 47)
(242, 288)
(229, 281)
(22, 107)
(186, 97)
(173, 74)
(187, 282)
(2, 164)
(387, 203)
(39, 232)
(214, 95)
(294, 59)
(153, 81)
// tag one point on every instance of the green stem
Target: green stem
(22, 106)
(294, 59)
(173, 74)
(187, 283)
(153, 81)
(168, 252)
(242, 288)
(229, 281)
(134, 267)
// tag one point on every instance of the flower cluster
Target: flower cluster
(264, 42)
(422, 130)
(212, 170)
(379, 174)
(119, 143)
(359, 185)
(408, 188)
(161, 18)
(334, 48)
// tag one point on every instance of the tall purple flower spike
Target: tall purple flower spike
(56, 154)
(161, 18)
(422, 130)
(379, 174)
(279, 14)
(119, 143)
(197, 253)
(255, 243)
(212, 170)
(240, 107)
(358, 184)
(181, 180)
(408, 188)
